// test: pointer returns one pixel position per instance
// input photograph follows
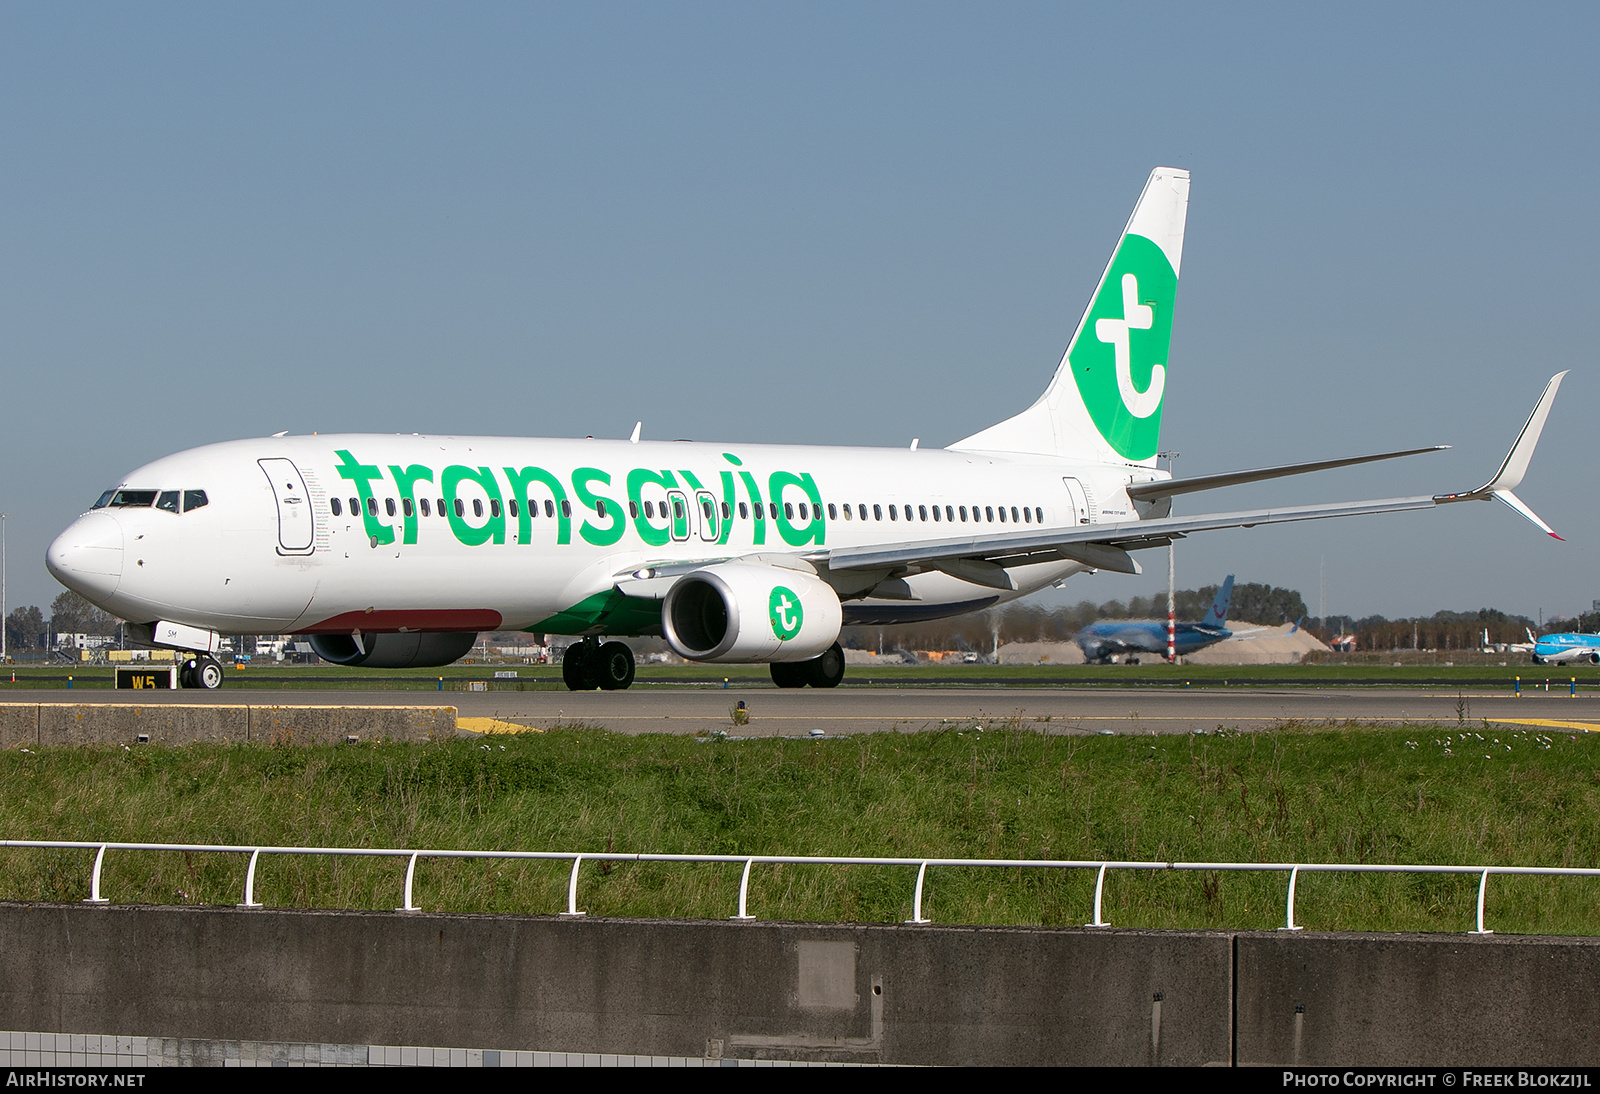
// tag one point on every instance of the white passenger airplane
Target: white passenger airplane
(396, 551)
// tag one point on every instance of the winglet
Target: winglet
(1516, 504)
(1515, 465)
(1509, 477)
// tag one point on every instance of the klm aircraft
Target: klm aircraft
(392, 551)
(1128, 639)
(1556, 649)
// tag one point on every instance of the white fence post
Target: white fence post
(572, 891)
(1483, 884)
(916, 898)
(1294, 875)
(744, 889)
(250, 882)
(1099, 887)
(411, 873)
(94, 881)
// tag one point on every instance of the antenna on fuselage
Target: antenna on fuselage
(634, 437)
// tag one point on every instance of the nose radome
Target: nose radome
(87, 557)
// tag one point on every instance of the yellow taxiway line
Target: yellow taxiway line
(1587, 727)
(493, 725)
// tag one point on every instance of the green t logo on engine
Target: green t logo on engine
(784, 608)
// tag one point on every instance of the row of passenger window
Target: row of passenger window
(950, 513)
(650, 508)
(169, 501)
(461, 509)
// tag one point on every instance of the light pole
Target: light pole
(2, 588)
(1172, 572)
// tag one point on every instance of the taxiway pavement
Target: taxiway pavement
(773, 712)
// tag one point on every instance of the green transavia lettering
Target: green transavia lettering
(653, 506)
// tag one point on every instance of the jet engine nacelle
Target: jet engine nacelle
(751, 611)
(412, 650)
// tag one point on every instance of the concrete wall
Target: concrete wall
(872, 993)
(930, 995)
(1418, 1000)
(24, 724)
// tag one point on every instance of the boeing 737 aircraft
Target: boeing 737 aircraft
(1131, 637)
(395, 551)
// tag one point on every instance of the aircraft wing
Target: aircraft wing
(1102, 546)
(982, 558)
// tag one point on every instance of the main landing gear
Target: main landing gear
(590, 664)
(819, 672)
(200, 671)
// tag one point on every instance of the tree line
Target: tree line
(28, 629)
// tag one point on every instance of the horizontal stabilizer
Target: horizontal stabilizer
(1166, 488)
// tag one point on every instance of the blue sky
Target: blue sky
(819, 224)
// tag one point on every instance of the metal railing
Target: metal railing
(578, 858)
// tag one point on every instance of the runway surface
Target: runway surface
(771, 712)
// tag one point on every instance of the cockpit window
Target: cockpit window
(105, 500)
(193, 499)
(167, 501)
(133, 499)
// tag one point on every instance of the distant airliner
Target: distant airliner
(1128, 638)
(394, 551)
(1553, 649)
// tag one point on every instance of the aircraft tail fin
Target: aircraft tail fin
(1105, 401)
(1218, 615)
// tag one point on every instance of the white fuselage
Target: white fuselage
(535, 533)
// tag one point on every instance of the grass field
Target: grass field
(539, 677)
(1418, 795)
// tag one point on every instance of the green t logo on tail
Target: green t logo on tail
(784, 608)
(1119, 358)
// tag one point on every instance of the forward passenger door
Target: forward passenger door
(296, 525)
